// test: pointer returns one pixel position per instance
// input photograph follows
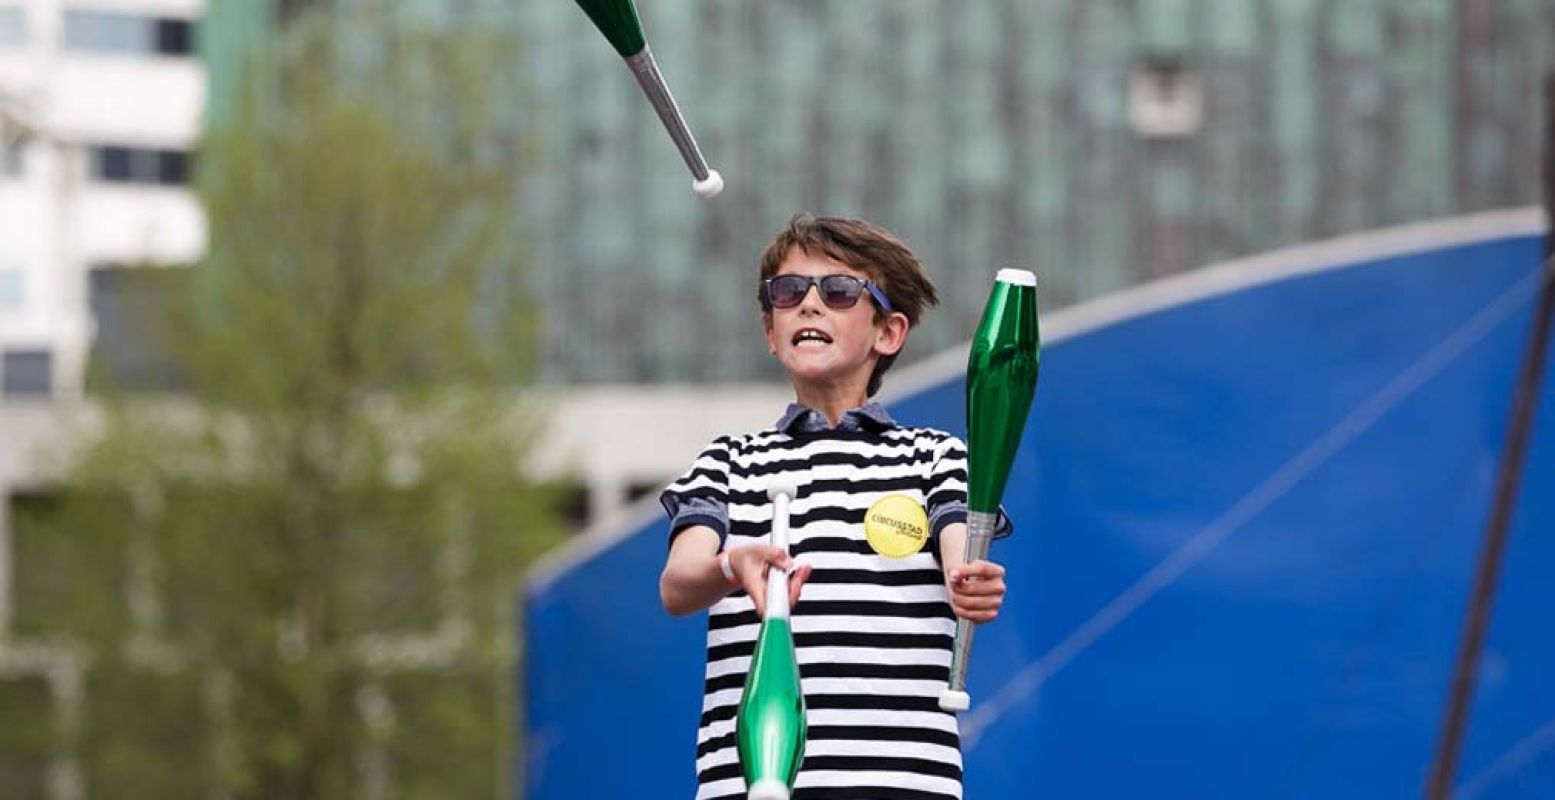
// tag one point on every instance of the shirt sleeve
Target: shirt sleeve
(701, 496)
(946, 495)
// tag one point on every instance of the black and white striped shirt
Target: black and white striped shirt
(873, 634)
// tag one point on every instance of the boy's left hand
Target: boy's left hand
(976, 590)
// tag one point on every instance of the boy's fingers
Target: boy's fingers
(752, 571)
(979, 588)
(761, 556)
(751, 565)
(977, 603)
(756, 586)
(977, 599)
(977, 591)
(767, 555)
(977, 610)
(981, 570)
(978, 578)
(795, 581)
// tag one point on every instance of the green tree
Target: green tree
(295, 577)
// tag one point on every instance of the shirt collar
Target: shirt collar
(803, 419)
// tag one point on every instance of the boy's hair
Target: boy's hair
(866, 247)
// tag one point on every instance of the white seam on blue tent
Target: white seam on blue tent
(1524, 752)
(1229, 276)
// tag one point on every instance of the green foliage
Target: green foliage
(25, 736)
(296, 578)
(60, 593)
(143, 734)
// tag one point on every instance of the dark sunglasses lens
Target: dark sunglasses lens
(785, 291)
(841, 291)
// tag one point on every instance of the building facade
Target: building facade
(101, 106)
(1102, 143)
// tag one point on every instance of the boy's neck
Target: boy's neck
(831, 401)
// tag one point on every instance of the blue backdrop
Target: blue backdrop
(1247, 523)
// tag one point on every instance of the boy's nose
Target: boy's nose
(812, 299)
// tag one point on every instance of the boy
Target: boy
(878, 532)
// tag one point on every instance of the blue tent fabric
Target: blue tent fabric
(1247, 525)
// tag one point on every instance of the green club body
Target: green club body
(617, 20)
(770, 727)
(1001, 379)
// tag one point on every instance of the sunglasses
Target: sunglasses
(837, 291)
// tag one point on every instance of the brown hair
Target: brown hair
(866, 247)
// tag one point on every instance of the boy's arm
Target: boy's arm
(976, 589)
(694, 578)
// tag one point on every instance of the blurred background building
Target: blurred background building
(1103, 144)
(100, 108)
(1100, 143)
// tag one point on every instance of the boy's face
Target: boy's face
(822, 346)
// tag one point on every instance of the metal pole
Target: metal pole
(1508, 480)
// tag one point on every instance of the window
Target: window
(12, 150)
(128, 305)
(12, 286)
(174, 37)
(108, 32)
(13, 26)
(173, 168)
(94, 31)
(1165, 98)
(119, 164)
(26, 372)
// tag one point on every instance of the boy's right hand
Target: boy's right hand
(750, 563)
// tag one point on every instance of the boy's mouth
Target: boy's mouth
(810, 335)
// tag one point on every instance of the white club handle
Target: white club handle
(955, 699)
(705, 180)
(781, 495)
(768, 789)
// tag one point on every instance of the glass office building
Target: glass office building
(1102, 143)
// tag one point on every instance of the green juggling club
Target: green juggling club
(769, 729)
(1001, 379)
(617, 20)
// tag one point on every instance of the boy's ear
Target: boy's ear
(891, 334)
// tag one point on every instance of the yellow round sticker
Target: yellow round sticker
(896, 526)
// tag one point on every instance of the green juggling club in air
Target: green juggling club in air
(1001, 379)
(769, 728)
(617, 20)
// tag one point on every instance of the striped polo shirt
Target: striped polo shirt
(873, 634)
